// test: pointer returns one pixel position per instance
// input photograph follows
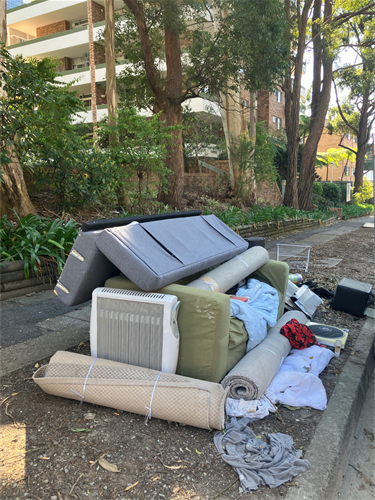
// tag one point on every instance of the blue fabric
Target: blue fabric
(258, 312)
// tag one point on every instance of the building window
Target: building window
(278, 95)
(347, 136)
(277, 121)
(354, 139)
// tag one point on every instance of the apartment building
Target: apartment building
(271, 109)
(344, 171)
(59, 29)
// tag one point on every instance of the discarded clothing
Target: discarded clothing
(300, 336)
(299, 389)
(255, 461)
(297, 383)
(310, 360)
(256, 409)
(260, 310)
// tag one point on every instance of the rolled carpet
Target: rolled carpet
(223, 277)
(134, 389)
(254, 372)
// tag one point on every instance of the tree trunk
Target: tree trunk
(13, 188)
(172, 111)
(319, 105)
(362, 140)
(292, 89)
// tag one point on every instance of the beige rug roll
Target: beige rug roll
(134, 389)
(254, 372)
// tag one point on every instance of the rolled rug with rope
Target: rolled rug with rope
(254, 372)
(134, 389)
(223, 277)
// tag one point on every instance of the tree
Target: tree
(179, 49)
(140, 147)
(12, 187)
(36, 111)
(328, 23)
(356, 113)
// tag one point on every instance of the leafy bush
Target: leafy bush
(80, 177)
(262, 215)
(321, 202)
(365, 193)
(318, 188)
(331, 191)
(349, 211)
(35, 238)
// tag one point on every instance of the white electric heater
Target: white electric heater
(136, 328)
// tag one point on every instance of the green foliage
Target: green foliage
(139, 147)
(259, 215)
(254, 38)
(35, 108)
(318, 188)
(199, 135)
(365, 193)
(78, 176)
(35, 238)
(331, 191)
(349, 211)
(254, 161)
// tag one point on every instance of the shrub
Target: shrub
(365, 193)
(331, 191)
(318, 188)
(35, 238)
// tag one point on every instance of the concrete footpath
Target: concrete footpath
(35, 327)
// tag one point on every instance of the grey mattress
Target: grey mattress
(86, 268)
(155, 254)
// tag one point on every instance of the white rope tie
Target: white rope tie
(239, 258)
(82, 396)
(148, 415)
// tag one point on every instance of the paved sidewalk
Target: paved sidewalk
(36, 327)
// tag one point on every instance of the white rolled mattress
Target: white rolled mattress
(254, 372)
(223, 277)
(134, 389)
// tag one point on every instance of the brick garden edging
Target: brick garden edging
(14, 284)
(269, 229)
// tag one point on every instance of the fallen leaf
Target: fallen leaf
(131, 486)
(15, 393)
(156, 478)
(36, 365)
(175, 467)
(81, 430)
(199, 452)
(107, 466)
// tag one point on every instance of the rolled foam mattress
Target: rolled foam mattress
(253, 374)
(223, 277)
(155, 254)
(134, 389)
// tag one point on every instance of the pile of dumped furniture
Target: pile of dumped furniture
(160, 311)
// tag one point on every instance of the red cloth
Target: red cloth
(300, 336)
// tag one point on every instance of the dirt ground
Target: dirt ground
(50, 447)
